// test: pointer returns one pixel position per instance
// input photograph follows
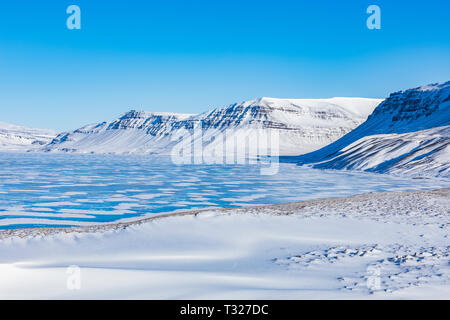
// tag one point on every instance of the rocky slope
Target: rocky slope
(408, 133)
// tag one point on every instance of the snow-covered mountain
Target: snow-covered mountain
(19, 138)
(408, 133)
(303, 125)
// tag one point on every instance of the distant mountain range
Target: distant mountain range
(303, 125)
(19, 138)
(409, 133)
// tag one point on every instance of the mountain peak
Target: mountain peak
(434, 86)
(414, 109)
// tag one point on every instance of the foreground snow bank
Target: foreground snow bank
(380, 245)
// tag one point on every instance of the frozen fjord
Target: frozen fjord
(75, 190)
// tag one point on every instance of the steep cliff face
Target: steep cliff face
(405, 132)
(19, 138)
(302, 125)
(412, 110)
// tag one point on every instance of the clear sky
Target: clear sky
(193, 55)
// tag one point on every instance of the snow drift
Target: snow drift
(323, 249)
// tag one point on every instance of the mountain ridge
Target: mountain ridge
(424, 110)
(315, 122)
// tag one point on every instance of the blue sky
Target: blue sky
(190, 56)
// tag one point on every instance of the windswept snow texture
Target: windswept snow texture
(303, 125)
(76, 190)
(18, 138)
(370, 246)
(408, 133)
